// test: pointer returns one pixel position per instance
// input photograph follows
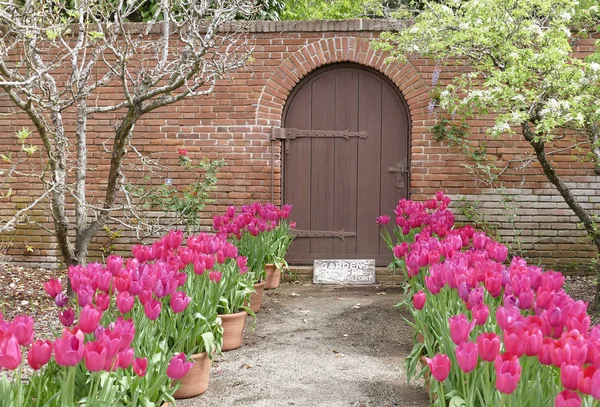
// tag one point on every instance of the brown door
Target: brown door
(346, 138)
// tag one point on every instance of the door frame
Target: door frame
(312, 76)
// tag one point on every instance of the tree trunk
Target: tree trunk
(585, 217)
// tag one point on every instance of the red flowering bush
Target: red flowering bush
(496, 333)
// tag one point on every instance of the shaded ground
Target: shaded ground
(318, 346)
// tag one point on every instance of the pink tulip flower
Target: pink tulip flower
(179, 301)
(480, 313)
(508, 372)
(439, 366)
(139, 366)
(89, 319)
(152, 309)
(567, 398)
(61, 300)
(10, 351)
(178, 367)
(102, 301)
(460, 328)
(488, 346)
(419, 300)
(569, 375)
(68, 349)
(125, 358)
(466, 356)
(22, 328)
(67, 317)
(215, 276)
(39, 354)
(94, 356)
(114, 264)
(53, 287)
(125, 302)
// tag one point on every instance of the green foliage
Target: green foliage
(520, 60)
(186, 202)
(329, 10)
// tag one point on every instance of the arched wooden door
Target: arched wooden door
(346, 132)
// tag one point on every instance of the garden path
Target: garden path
(318, 346)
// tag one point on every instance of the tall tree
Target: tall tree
(521, 67)
(56, 58)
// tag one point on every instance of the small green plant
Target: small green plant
(188, 201)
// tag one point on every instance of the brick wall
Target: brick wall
(235, 123)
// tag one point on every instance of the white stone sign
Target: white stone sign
(344, 271)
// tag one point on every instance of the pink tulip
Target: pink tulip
(85, 296)
(480, 313)
(199, 267)
(439, 366)
(102, 301)
(508, 372)
(114, 264)
(61, 300)
(215, 276)
(546, 351)
(10, 351)
(39, 354)
(89, 319)
(466, 356)
(569, 376)
(479, 240)
(145, 295)
(488, 346)
(382, 220)
(22, 328)
(53, 287)
(460, 328)
(400, 250)
(419, 300)
(94, 356)
(68, 350)
(178, 367)
(139, 366)
(515, 340)
(125, 358)
(125, 302)
(67, 317)
(567, 398)
(152, 309)
(179, 301)
(533, 342)
(584, 380)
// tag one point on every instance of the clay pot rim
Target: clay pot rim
(234, 315)
(257, 285)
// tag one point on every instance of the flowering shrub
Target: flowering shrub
(261, 233)
(493, 333)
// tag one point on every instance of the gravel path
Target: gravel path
(318, 346)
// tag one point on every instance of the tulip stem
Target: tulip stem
(440, 394)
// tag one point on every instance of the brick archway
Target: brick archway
(334, 50)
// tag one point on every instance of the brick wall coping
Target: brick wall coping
(260, 26)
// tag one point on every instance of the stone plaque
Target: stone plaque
(344, 271)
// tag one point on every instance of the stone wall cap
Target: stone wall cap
(263, 26)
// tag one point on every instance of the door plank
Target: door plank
(346, 153)
(369, 187)
(297, 175)
(322, 162)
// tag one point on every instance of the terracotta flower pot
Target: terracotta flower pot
(256, 297)
(195, 381)
(233, 329)
(273, 276)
